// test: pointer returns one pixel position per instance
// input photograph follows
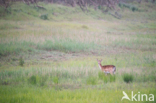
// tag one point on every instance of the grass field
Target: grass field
(54, 60)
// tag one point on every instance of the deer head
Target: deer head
(99, 61)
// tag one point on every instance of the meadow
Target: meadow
(50, 56)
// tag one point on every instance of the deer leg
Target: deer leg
(114, 72)
(105, 73)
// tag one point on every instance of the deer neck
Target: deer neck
(100, 66)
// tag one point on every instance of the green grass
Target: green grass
(35, 94)
(15, 48)
(46, 75)
(37, 80)
(64, 45)
(129, 6)
(106, 78)
(59, 54)
(8, 26)
(91, 80)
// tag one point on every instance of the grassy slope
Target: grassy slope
(61, 53)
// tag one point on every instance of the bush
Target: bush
(32, 80)
(134, 9)
(44, 16)
(84, 26)
(127, 77)
(56, 80)
(37, 80)
(21, 61)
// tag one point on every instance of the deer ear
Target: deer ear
(97, 59)
(101, 59)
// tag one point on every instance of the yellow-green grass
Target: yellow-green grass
(73, 72)
(47, 95)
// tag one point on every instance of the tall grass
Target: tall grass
(140, 43)
(106, 78)
(64, 45)
(35, 94)
(91, 80)
(8, 26)
(15, 48)
(37, 80)
(38, 76)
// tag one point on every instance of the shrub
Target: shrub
(44, 16)
(21, 61)
(55, 80)
(127, 77)
(32, 80)
(37, 80)
(84, 26)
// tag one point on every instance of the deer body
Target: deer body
(107, 68)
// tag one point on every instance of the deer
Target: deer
(107, 68)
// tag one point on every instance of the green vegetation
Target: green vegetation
(55, 80)
(91, 80)
(15, 48)
(37, 80)
(106, 78)
(21, 61)
(44, 16)
(131, 7)
(66, 45)
(128, 78)
(49, 55)
(34, 94)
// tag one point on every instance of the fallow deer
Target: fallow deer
(107, 68)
